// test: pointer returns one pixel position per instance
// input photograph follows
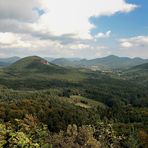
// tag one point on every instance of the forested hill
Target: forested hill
(90, 108)
(36, 73)
(110, 62)
(106, 63)
(142, 67)
(33, 63)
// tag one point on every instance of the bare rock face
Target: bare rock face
(44, 62)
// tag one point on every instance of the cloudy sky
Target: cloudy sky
(74, 28)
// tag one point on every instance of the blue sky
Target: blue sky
(124, 24)
(74, 28)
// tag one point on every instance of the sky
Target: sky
(74, 28)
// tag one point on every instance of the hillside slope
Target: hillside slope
(9, 60)
(4, 62)
(106, 63)
(34, 73)
(138, 74)
(34, 64)
(141, 67)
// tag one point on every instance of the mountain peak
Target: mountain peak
(30, 62)
(112, 56)
(34, 64)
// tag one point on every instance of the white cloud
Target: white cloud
(79, 46)
(22, 44)
(126, 44)
(134, 42)
(14, 40)
(61, 17)
(64, 28)
(136, 46)
(72, 16)
(103, 35)
(8, 38)
(22, 10)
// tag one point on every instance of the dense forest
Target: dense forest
(45, 105)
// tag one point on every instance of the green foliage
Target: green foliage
(71, 107)
(24, 133)
(3, 133)
(29, 132)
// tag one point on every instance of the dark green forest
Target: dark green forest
(45, 105)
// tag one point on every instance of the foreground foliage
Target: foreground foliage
(29, 132)
(44, 105)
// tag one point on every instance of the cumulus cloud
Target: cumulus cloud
(22, 44)
(61, 28)
(138, 41)
(72, 16)
(79, 46)
(14, 40)
(136, 46)
(19, 9)
(11, 40)
(61, 17)
(103, 35)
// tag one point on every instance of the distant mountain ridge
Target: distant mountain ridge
(8, 61)
(111, 62)
(106, 63)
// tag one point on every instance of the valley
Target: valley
(37, 93)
